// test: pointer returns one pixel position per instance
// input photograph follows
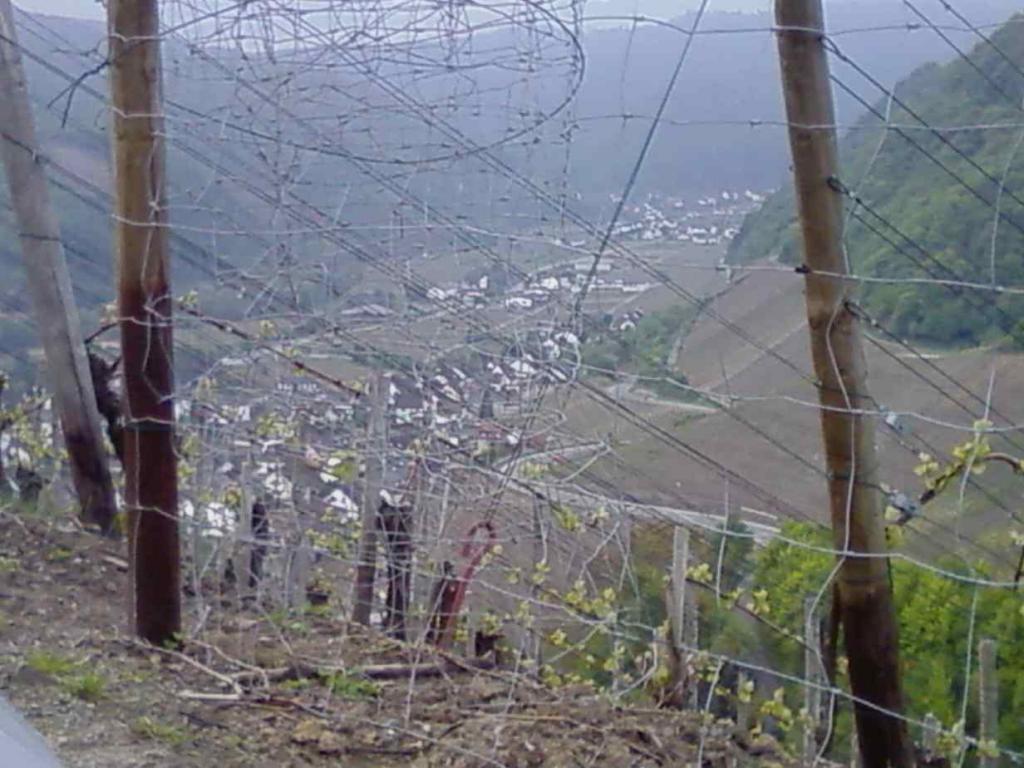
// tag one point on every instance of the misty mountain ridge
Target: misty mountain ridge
(717, 133)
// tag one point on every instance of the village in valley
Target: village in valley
(295, 442)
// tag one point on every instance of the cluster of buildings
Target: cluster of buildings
(302, 442)
(569, 278)
(473, 407)
(709, 221)
(539, 289)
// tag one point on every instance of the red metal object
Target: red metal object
(473, 552)
(451, 591)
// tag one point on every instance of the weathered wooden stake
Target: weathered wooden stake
(930, 735)
(376, 442)
(533, 646)
(472, 628)
(680, 564)
(396, 525)
(300, 566)
(722, 544)
(683, 625)
(442, 597)
(108, 402)
(144, 307)
(868, 617)
(260, 526)
(53, 301)
(988, 704)
(5, 423)
(744, 708)
(691, 637)
(813, 676)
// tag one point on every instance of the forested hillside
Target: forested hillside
(934, 196)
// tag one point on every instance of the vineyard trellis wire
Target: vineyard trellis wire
(376, 186)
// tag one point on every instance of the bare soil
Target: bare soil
(259, 690)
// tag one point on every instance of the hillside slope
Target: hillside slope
(941, 198)
(106, 701)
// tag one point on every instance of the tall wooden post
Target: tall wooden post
(683, 626)
(691, 638)
(814, 679)
(396, 525)
(376, 441)
(5, 487)
(930, 735)
(300, 568)
(144, 305)
(53, 301)
(680, 564)
(867, 612)
(535, 647)
(260, 530)
(744, 706)
(988, 704)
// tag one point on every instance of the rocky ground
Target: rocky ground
(272, 690)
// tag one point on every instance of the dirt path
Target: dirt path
(627, 389)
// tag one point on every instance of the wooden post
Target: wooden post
(867, 613)
(144, 308)
(744, 709)
(53, 301)
(442, 598)
(260, 530)
(5, 423)
(376, 441)
(540, 555)
(691, 638)
(300, 566)
(238, 549)
(682, 617)
(813, 676)
(108, 402)
(930, 735)
(988, 701)
(680, 563)
(722, 544)
(472, 627)
(395, 522)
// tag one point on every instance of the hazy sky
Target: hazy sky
(88, 9)
(92, 9)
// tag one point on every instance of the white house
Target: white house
(518, 302)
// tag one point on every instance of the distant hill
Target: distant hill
(940, 195)
(223, 188)
(718, 132)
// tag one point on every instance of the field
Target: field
(750, 349)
